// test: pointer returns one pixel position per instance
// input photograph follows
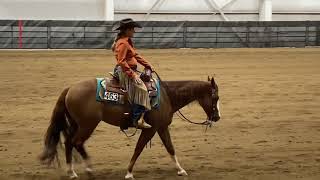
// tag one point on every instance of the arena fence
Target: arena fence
(159, 34)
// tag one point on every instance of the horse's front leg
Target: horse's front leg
(166, 139)
(144, 138)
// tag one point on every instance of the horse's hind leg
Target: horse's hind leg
(166, 139)
(78, 141)
(69, 146)
(68, 149)
(82, 151)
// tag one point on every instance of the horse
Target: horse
(77, 113)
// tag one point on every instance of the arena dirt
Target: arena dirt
(270, 128)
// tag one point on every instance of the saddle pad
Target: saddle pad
(102, 95)
(115, 95)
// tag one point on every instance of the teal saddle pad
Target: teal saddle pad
(102, 95)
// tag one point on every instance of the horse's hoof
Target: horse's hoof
(129, 176)
(89, 172)
(182, 173)
(72, 175)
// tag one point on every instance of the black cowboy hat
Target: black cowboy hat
(127, 23)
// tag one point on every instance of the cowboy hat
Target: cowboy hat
(127, 23)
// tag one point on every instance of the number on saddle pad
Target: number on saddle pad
(111, 96)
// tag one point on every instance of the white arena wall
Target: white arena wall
(162, 10)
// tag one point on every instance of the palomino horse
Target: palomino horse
(77, 114)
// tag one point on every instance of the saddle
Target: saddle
(146, 77)
(109, 89)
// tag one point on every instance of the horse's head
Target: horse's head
(210, 101)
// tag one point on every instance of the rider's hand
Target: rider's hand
(137, 80)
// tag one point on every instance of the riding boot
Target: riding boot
(137, 117)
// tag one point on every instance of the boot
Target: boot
(141, 124)
(137, 117)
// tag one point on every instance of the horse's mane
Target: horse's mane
(191, 87)
(180, 91)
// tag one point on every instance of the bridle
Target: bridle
(209, 121)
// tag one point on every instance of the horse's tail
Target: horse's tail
(57, 125)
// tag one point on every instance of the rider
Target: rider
(127, 61)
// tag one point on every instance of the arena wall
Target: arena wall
(160, 34)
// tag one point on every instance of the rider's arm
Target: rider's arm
(142, 61)
(122, 60)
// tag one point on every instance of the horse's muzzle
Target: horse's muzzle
(216, 118)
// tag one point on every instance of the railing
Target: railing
(160, 34)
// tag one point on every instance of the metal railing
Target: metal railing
(160, 34)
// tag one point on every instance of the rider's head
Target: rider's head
(127, 29)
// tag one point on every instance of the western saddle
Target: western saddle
(113, 84)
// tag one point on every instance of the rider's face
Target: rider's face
(130, 32)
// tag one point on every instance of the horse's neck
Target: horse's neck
(181, 93)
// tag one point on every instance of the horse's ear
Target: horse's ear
(213, 82)
(209, 78)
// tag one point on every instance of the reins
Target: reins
(131, 135)
(182, 117)
(206, 123)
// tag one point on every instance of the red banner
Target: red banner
(20, 33)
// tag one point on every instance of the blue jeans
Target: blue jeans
(137, 111)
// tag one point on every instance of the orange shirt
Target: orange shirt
(127, 57)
